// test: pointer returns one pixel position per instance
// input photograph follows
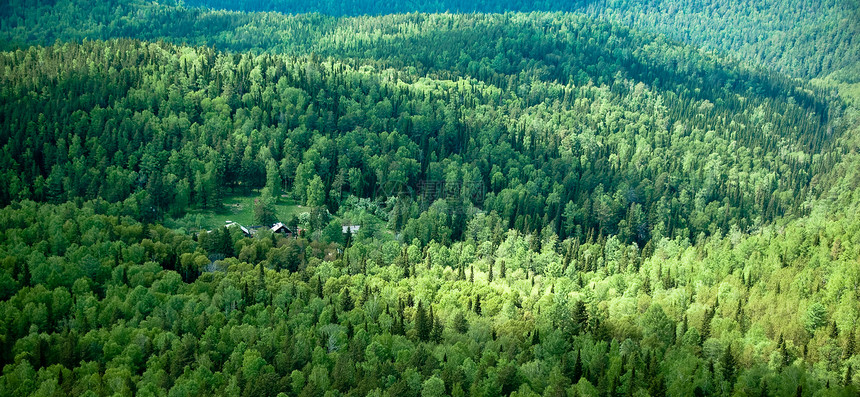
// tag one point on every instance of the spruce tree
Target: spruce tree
(346, 303)
(422, 325)
(580, 317)
(728, 363)
(706, 324)
(262, 276)
(577, 367)
(850, 345)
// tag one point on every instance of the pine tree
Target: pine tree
(577, 367)
(502, 270)
(422, 326)
(262, 277)
(346, 303)
(245, 293)
(658, 386)
(684, 328)
(478, 305)
(850, 345)
(580, 317)
(404, 257)
(739, 316)
(490, 273)
(398, 328)
(728, 363)
(437, 331)
(706, 324)
(224, 242)
(365, 295)
(460, 324)
(783, 351)
(436, 327)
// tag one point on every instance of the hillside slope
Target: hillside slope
(549, 204)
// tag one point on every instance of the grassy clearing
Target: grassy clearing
(238, 209)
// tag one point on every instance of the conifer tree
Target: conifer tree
(728, 364)
(346, 303)
(423, 326)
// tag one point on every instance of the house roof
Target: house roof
(280, 226)
(230, 224)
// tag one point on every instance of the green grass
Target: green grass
(238, 209)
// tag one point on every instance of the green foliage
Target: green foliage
(303, 330)
(650, 217)
(264, 208)
(433, 387)
(816, 316)
(626, 132)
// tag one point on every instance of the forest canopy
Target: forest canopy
(611, 198)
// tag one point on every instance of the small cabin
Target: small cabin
(280, 228)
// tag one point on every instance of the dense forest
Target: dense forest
(764, 31)
(596, 199)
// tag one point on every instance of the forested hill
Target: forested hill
(800, 38)
(601, 152)
(546, 203)
(796, 38)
